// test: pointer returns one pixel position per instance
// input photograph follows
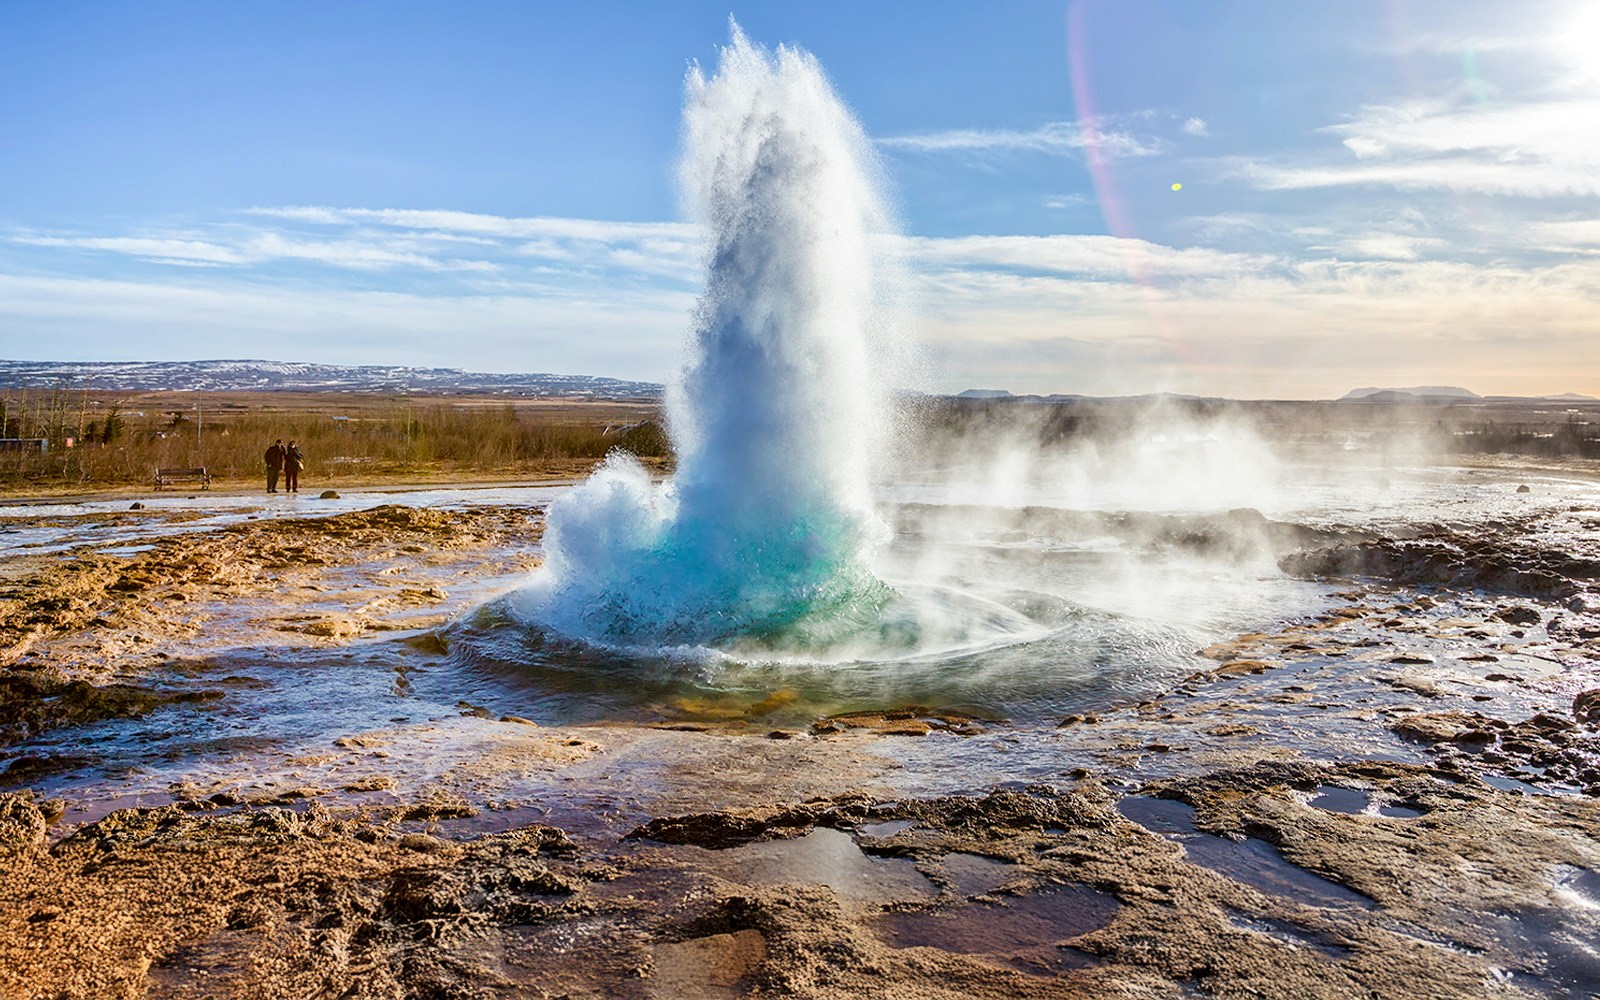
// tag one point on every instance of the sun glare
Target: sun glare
(1578, 40)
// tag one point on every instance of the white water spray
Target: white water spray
(766, 530)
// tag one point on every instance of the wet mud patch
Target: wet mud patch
(968, 875)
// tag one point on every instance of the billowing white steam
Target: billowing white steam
(766, 529)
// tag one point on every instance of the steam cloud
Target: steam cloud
(767, 528)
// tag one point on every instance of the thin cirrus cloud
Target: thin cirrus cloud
(163, 249)
(1088, 256)
(1532, 148)
(227, 248)
(1385, 246)
(365, 239)
(481, 224)
(666, 249)
(394, 239)
(1058, 138)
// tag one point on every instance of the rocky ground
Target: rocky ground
(1398, 797)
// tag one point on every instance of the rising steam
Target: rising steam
(767, 528)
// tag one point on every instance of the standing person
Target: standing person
(293, 462)
(275, 458)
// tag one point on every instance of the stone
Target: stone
(22, 824)
(1518, 615)
(421, 842)
(1586, 707)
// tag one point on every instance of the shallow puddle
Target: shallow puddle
(826, 857)
(974, 875)
(1336, 799)
(1026, 932)
(1252, 861)
(885, 829)
(1400, 810)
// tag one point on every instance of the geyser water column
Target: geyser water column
(763, 535)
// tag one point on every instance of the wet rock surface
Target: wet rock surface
(91, 636)
(1041, 891)
(1542, 748)
(1498, 563)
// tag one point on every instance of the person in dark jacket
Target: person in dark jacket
(293, 462)
(275, 457)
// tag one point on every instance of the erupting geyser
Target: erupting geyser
(765, 531)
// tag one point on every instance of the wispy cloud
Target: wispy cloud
(185, 251)
(1085, 256)
(229, 247)
(1532, 148)
(1065, 201)
(668, 249)
(1382, 246)
(1056, 138)
(498, 226)
(1344, 304)
(1196, 127)
(1577, 235)
(391, 239)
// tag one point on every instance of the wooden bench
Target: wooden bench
(166, 477)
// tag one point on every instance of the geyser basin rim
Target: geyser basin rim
(921, 605)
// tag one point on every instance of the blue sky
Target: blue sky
(1374, 192)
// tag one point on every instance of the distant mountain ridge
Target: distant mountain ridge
(290, 376)
(1418, 391)
(1448, 394)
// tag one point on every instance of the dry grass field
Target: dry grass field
(353, 438)
(120, 439)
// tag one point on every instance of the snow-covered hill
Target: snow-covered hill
(236, 376)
